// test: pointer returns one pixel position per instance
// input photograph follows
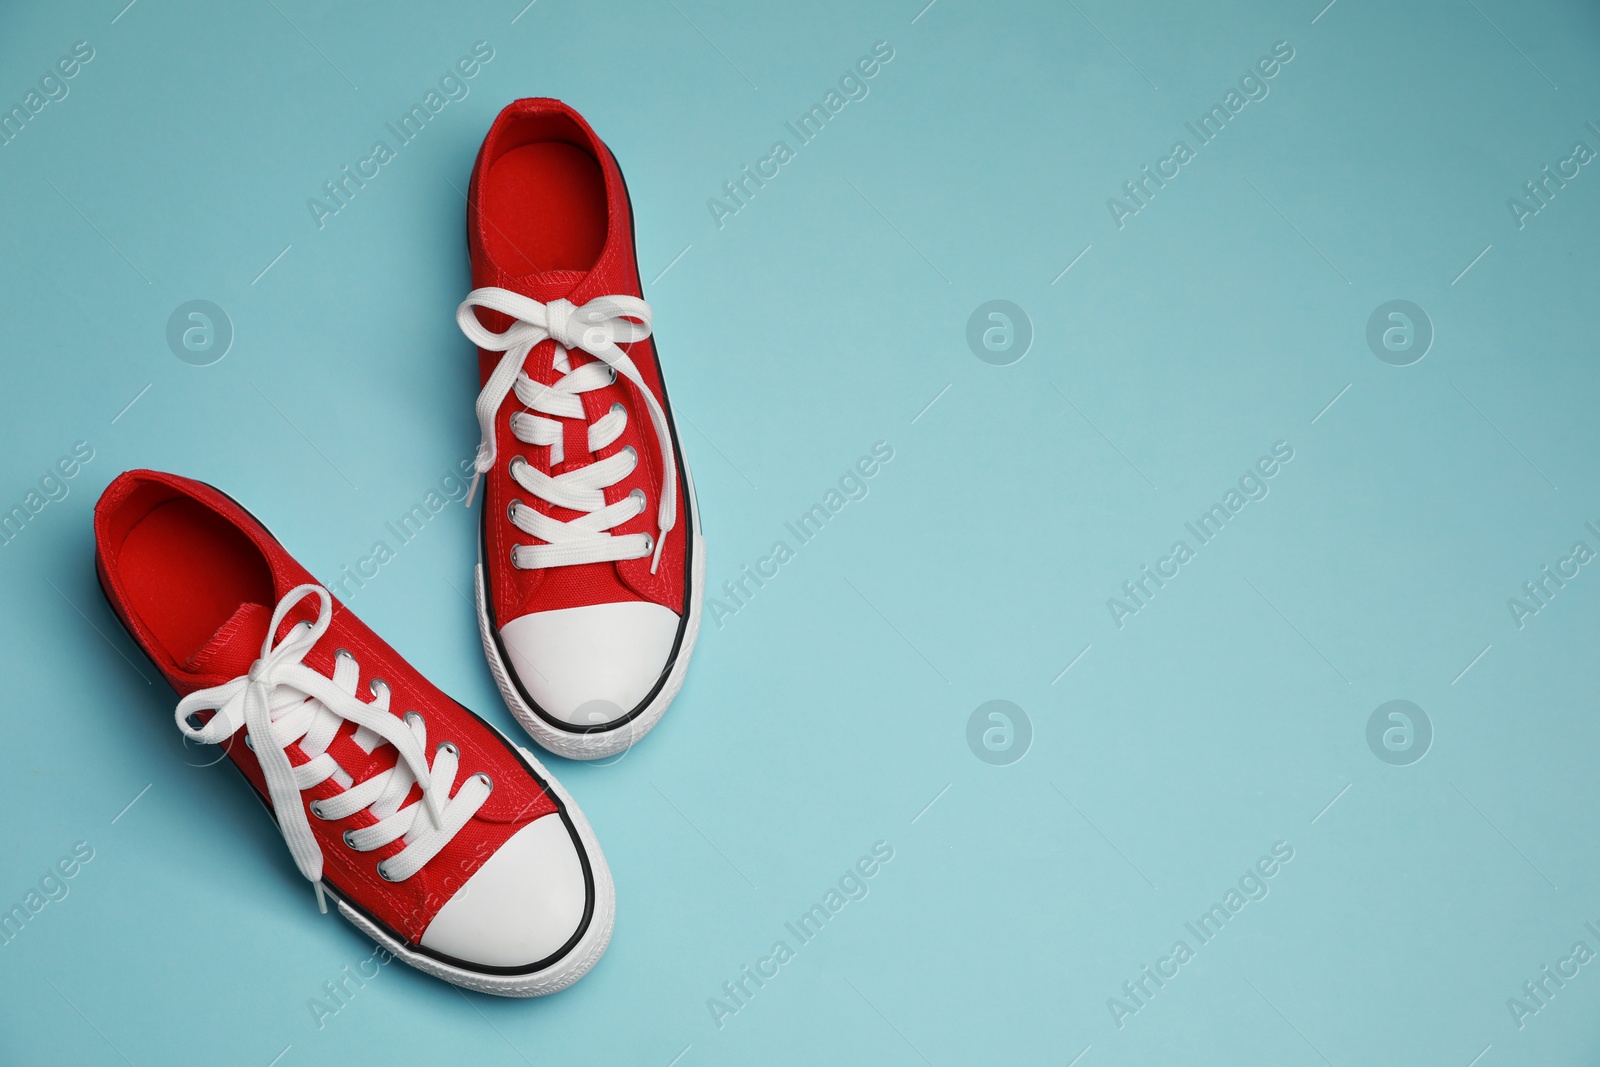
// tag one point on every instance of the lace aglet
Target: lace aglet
(322, 901)
(655, 560)
(473, 488)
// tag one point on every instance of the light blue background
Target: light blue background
(1227, 715)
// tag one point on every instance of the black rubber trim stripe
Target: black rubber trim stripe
(340, 894)
(688, 555)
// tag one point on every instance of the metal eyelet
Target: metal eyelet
(634, 452)
(377, 684)
(383, 873)
(511, 467)
(637, 494)
(613, 372)
(347, 844)
(511, 510)
(411, 718)
(617, 408)
(448, 747)
(316, 809)
(514, 555)
(485, 779)
(649, 544)
(343, 652)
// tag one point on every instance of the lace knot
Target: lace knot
(559, 322)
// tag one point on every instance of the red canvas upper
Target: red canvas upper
(546, 233)
(175, 556)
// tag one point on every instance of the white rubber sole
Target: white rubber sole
(568, 969)
(603, 743)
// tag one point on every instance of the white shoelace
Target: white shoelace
(281, 701)
(595, 328)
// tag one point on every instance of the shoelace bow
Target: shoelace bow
(281, 701)
(595, 327)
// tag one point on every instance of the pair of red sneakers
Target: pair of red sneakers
(436, 835)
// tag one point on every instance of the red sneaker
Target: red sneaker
(591, 571)
(434, 834)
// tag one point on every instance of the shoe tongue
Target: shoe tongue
(235, 645)
(545, 286)
(548, 285)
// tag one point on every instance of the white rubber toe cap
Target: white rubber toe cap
(521, 906)
(588, 666)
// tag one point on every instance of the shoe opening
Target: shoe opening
(183, 570)
(542, 198)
